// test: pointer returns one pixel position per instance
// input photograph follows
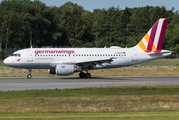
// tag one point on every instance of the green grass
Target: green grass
(92, 91)
(1, 63)
(152, 102)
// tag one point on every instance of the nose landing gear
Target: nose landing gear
(29, 76)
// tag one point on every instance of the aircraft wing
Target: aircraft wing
(91, 63)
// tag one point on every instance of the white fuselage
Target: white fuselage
(48, 58)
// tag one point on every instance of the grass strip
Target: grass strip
(90, 99)
(92, 91)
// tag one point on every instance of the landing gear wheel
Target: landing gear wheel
(88, 75)
(82, 75)
(29, 76)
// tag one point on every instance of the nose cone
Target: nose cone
(9, 62)
(6, 61)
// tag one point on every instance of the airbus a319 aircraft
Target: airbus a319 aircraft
(66, 61)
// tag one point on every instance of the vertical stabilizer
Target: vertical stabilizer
(153, 40)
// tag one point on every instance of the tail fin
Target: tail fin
(153, 40)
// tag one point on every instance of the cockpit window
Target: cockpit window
(16, 55)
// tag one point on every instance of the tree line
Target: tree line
(25, 23)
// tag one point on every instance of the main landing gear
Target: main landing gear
(29, 75)
(83, 75)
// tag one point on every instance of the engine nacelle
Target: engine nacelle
(62, 69)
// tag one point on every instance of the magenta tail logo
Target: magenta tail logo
(153, 40)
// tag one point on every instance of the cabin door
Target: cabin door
(29, 56)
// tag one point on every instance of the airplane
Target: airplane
(66, 61)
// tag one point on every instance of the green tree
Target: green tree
(123, 26)
(97, 27)
(87, 37)
(171, 40)
(71, 15)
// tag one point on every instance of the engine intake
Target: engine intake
(51, 71)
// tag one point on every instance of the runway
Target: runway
(22, 83)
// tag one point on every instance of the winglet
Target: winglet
(153, 40)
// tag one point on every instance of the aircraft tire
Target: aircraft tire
(82, 75)
(88, 75)
(29, 76)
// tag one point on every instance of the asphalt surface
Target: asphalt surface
(22, 83)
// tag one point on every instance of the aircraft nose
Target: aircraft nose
(7, 61)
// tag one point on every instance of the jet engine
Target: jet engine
(62, 69)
